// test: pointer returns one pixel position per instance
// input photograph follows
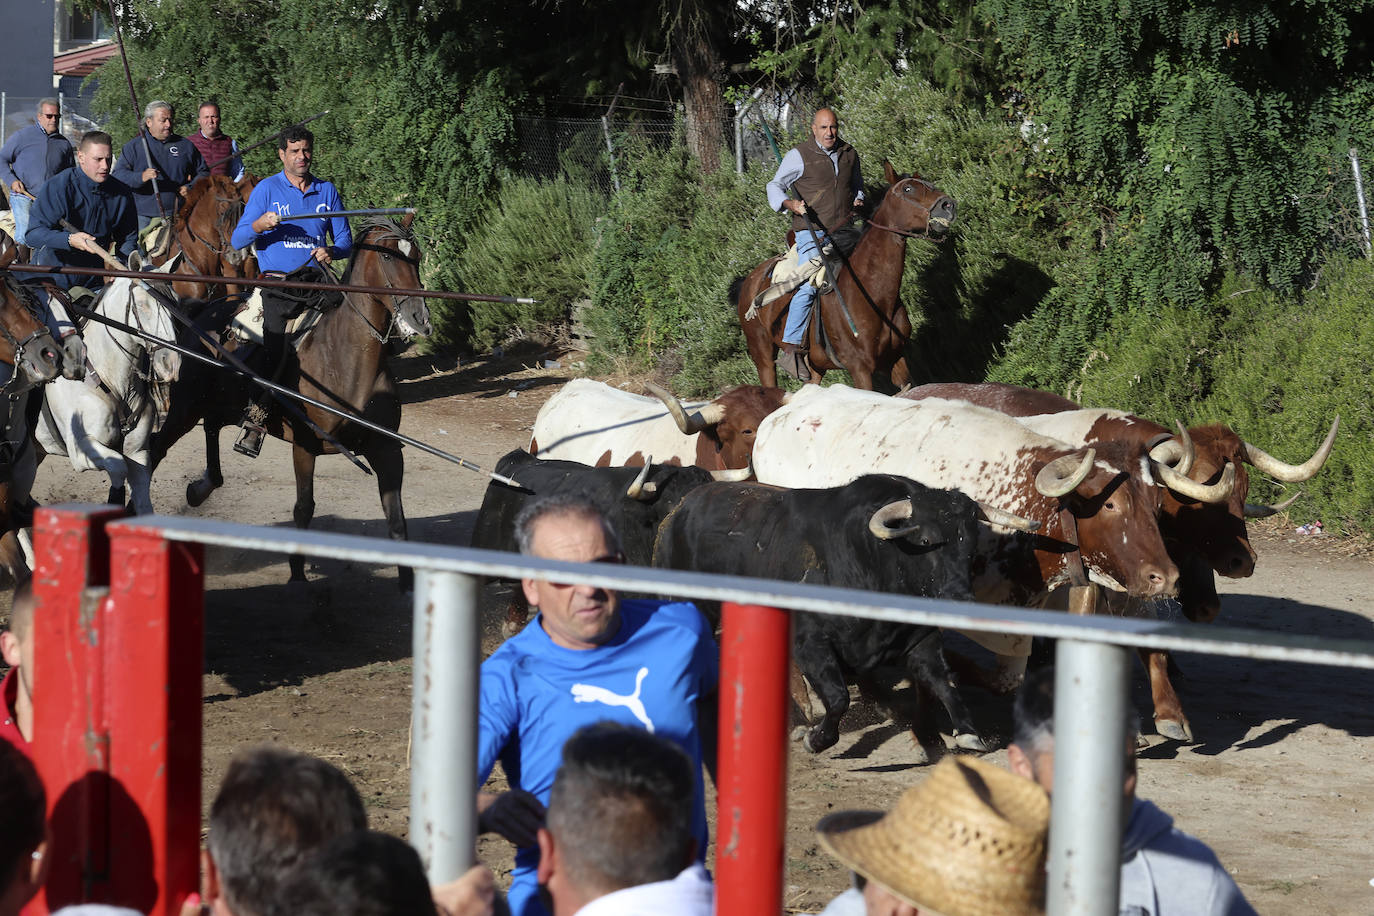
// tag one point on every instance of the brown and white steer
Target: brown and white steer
(596, 424)
(1201, 536)
(1080, 497)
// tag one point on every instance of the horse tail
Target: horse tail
(736, 286)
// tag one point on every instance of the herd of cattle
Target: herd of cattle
(984, 492)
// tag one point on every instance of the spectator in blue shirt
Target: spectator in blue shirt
(29, 158)
(286, 248)
(176, 165)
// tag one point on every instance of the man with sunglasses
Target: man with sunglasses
(29, 158)
(587, 656)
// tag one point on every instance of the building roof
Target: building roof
(84, 60)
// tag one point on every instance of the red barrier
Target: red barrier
(755, 654)
(118, 649)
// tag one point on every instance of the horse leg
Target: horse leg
(901, 374)
(212, 478)
(303, 463)
(389, 464)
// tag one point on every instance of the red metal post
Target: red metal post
(751, 817)
(117, 694)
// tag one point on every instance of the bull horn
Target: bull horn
(995, 516)
(1178, 452)
(880, 523)
(1183, 485)
(1063, 475)
(1260, 510)
(639, 488)
(734, 475)
(1293, 473)
(709, 414)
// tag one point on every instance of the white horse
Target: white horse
(105, 422)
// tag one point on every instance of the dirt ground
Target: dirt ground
(1280, 782)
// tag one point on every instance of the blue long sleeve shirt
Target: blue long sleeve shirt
(288, 245)
(104, 209)
(177, 161)
(32, 155)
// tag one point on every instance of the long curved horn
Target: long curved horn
(1217, 492)
(734, 475)
(709, 414)
(638, 488)
(1260, 510)
(1063, 475)
(880, 523)
(1293, 473)
(995, 516)
(1179, 452)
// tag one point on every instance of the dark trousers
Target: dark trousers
(276, 346)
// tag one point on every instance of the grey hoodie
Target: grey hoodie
(1166, 872)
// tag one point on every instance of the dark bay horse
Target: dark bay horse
(912, 207)
(201, 231)
(343, 362)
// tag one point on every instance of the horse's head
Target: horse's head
(212, 209)
(25, 342)
(152, 315)
(387, 254)
(913, 205)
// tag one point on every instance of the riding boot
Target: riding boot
(793, 362)
(254, 422)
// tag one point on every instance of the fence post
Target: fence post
(739, 138)
(443, 763)
(1359, 199)
(1087, 813)
(755, 655)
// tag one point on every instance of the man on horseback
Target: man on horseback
(824, 173)
(176, 165)
(218, 148)
(287, 248)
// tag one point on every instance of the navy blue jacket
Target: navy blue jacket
(33, 156)
(105, 210)
(177, 161)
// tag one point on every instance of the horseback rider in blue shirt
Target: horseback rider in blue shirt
(284, 248)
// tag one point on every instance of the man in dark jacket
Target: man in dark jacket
(176, 165)
(29, 158)
(824, 173)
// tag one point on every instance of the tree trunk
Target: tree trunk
(699, 68)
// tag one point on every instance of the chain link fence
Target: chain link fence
(18, 111)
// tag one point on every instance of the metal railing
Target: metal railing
(1090, 700)
(1091, 694)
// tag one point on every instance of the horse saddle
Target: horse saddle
(787, 274)
(247, 322)
(155, 238)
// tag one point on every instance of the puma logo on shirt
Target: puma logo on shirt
(591, 693)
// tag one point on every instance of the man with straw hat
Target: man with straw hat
(968, 841)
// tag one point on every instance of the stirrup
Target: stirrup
(250, 440)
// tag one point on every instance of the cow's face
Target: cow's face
(729, 444)
(1118, 533)
(1216, 530)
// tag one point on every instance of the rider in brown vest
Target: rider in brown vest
(824, 172)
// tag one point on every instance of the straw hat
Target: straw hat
(968, 841)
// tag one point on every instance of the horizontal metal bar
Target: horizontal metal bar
(270, 282)
(1125, 631)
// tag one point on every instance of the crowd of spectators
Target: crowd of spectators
(601, 713)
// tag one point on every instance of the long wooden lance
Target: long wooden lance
(133, 98)
(282, 390)
(270, 282)
(375, 211)
(253, 146)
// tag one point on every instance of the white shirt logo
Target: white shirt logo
(590, 693)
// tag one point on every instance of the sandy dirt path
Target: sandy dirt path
(1279, 783)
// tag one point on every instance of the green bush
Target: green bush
(537, 244)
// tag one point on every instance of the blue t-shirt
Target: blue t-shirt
(535, 694)
(288, 246)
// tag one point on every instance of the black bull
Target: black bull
(837, 537)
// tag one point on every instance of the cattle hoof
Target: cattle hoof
(971, 742)
(1174, 729)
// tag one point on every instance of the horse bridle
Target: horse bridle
(26, 297)
(221, 221)
(907, 232)
(383, 235)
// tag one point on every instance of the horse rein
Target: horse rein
(29, 300)
(907, 233)
(382, 337)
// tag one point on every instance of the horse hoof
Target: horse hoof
(971, 742)
(1175, 729)
(816, 742)
(197, 492)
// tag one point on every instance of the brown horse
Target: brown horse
(201, 231)
(870, 283)
(342, 363)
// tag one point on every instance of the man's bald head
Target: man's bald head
(825, 128)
